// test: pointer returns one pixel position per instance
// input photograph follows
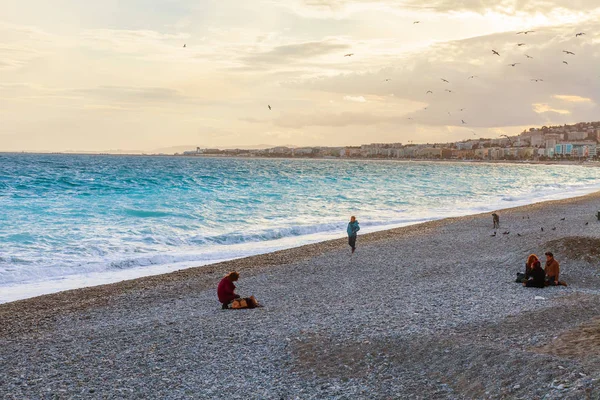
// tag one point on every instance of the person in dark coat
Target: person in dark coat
(226, 289)
(537, 276)
(352, 230)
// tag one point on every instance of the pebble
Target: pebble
(402, 319)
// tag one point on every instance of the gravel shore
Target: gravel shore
(429, 311)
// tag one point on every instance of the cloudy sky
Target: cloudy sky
(79, 75)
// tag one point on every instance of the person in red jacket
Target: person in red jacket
(226, 289)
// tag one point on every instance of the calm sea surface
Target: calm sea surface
(70, 221)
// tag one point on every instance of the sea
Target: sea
(70, 221)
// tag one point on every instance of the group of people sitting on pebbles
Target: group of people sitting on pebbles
(535, 276)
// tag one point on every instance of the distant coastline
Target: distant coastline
(585, 162)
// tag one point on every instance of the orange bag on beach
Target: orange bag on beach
(239, 303)
(247, 302)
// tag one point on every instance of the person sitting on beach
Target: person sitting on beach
(552, 271)
(352, 230)
(226, 289)
(535, 274)
(228, 297)
(529, 265)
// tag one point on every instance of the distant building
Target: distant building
(571, 136)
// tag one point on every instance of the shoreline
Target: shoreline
(423, 311)
(213, 272)
(73, 282)
(586, 162)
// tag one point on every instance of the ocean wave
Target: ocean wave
(70, 215)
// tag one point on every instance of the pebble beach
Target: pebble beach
(428, 311)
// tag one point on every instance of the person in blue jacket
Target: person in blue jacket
(352, 229)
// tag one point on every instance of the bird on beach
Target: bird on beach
(587, 223)
(518, 234)
(493, 234)
(444, 80)
(348, 55)
(568, 52)
(495, 52)
(513, 64)
(562, 219)
(554, 228)
(268, 105)
(528, 56)
(542, 229)
(580, 34)
(506, 233)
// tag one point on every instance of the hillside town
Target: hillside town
(568, 142)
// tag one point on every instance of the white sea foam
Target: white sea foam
(60, 234)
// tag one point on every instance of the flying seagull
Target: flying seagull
(580, 34)
(520, 44)
(513, 64)
(568, 52)
(184, 45)
(495, 52)
(537, 80)
(444, 80)
(348, 55)
(268, 105)
(429, 91)
(387, 80)
(416, 22)
(564, 62)
(528, 56)
(462, 109)
(448, 90)
(473, 76)
(463, 121)
(525, 32)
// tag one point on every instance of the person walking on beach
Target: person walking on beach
(352, 230)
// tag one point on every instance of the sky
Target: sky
(115, 75)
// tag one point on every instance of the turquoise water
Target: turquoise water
(76, 220)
